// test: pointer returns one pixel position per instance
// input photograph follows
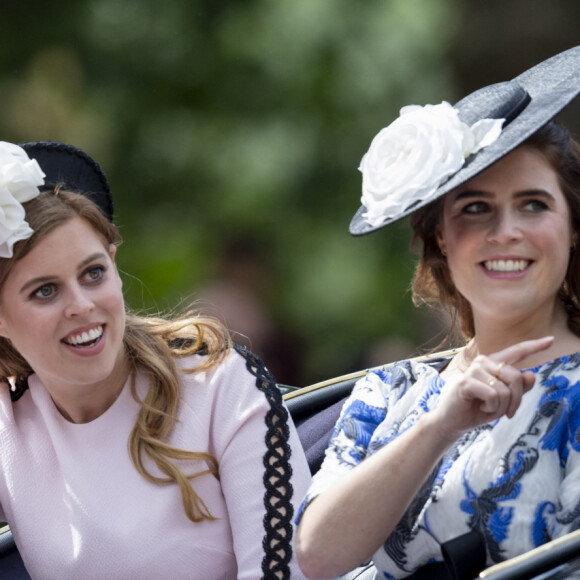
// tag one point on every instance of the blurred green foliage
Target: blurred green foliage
(229, 126)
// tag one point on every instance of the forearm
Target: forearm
(346, 524)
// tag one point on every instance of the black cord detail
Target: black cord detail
(277, 542)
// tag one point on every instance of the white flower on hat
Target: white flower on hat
(20, 178)
(408, 160)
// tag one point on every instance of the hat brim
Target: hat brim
(550, 86)
(72, 168)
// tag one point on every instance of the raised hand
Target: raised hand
(490, 388)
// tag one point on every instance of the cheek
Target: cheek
(555, 237)
(461, 255)
(3, 326)
(33, 340)
(456, 271)
(460, 240)
(453, 232)
(114, 298)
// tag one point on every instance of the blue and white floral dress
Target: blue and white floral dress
(516, 481)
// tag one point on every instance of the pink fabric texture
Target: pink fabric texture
(78, 508)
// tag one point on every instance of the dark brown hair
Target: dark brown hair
(432, 283)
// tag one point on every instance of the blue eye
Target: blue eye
(95, 273)
(475, 207)
(44, 292)
(536, 205)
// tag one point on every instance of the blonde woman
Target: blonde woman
(131, 447)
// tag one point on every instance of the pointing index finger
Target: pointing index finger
(519, 351)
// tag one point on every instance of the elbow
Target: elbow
(306, 561)
(311, 561)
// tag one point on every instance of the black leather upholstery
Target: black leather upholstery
(11, 565)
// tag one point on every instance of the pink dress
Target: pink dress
(78, 508)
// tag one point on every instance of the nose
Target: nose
(504, 228)
(79, 303)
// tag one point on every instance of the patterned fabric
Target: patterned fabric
(516, 481)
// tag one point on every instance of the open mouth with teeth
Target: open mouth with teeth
(85, 339)
(506, 265)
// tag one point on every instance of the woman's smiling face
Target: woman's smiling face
(62, 308)
(507, 235)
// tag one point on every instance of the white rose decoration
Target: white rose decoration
(408, 160)
(20, 178)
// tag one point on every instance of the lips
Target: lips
(85, 339)
(506, 265)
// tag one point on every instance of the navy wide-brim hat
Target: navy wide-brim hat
(527, 103)
(73, 169)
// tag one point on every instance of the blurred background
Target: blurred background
(231, 134)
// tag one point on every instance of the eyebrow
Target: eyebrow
(40, 280)
(472, 193)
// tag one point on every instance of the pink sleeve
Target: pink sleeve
(263, 470)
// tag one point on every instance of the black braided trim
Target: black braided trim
(277, 542)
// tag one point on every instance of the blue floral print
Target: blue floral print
(516, 481)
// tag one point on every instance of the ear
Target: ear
(113, 253)
(440, 237)
(3, 329)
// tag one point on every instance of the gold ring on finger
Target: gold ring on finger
(499, 367)
(491, 381)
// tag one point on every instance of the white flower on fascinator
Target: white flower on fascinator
(20, 178)
(408, 160)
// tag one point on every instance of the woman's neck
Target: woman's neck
(87, 404)
(490, 338)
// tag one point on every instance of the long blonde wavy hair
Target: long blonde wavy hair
(152, 344)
